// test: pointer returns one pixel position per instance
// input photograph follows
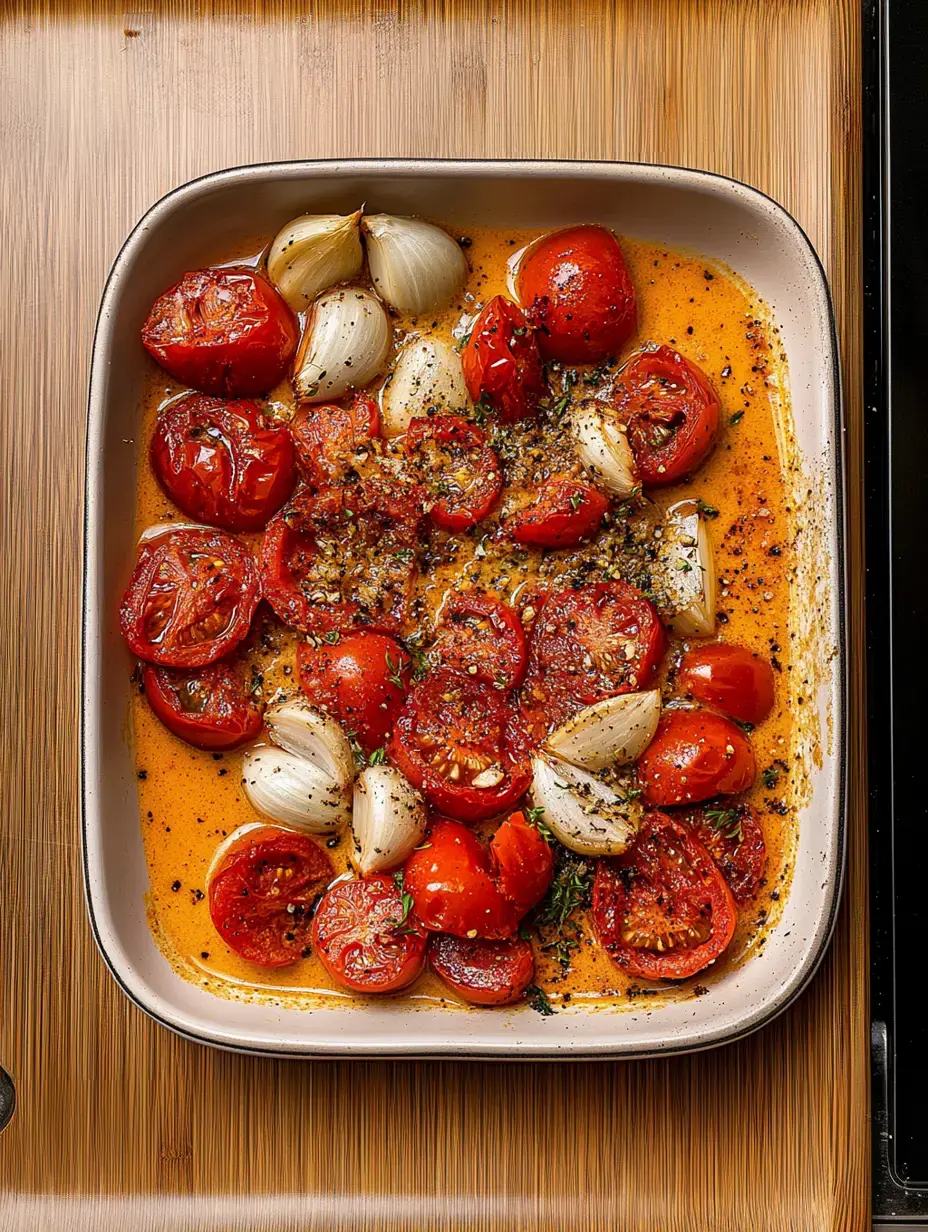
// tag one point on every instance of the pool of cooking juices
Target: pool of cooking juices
(461, 617)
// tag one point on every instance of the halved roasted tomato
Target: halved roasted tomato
(735, 841)
(458, 466)
(502, 366)
(209, 707)
(562, 514)
(329, 438)
(662, 910)
(483, 972)
(694, 755)
(482, 637)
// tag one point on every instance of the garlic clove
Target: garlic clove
(315, 252)
(427, 373)
(345, 345)
(688, 572)
(615, 731)
(581, 810)
(309, 733)
(292, 790)
(415, 265)
(603, 449)
(389, 819)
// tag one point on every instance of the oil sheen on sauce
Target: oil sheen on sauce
(189, 800)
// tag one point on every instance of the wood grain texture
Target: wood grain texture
(121, 1125)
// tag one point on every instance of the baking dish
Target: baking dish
(719, 218)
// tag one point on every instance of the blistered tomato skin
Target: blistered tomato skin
(735, 842)
(564, 513)
(328, 438)
(455, 459)
(451, 880)
(222, 462)
(695, 755)
(482, 637)
(577, 293)
(502, 364)
(483, 972)
(224, 332)
(731, 678)
(361, 680)
(208, 707)
(524, 862)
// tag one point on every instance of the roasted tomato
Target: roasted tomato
(672, 415)
(222, 462)
(262, 894)
(190, 599)
(735, 842)
(209, 707)
(462, 744)
(329, 438)
(458, 465)
(344, 556)
(524, 862)
(482, 637)
(502, 366)
(365, 937)
(483, 972)
(224, 332)
(452, 882)
(662, 911)
(732, 678)
(578, 294)
(563, 514)
(361, 679)
(695, 755)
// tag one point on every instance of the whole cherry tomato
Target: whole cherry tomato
(578, 294)
(563, 514)
(209, 707)
(361, 679)
(483, 972)
(479, 635)
(329, 438)
(224, 332)
(222, 462)
(694, 755)
(262, 894)
(662, 910)
(457, 464)
(672, 414)
(502, 366)
(732, 678)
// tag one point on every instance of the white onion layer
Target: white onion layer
(345, 345)
(584, 813)
(415, 265)
(292, 790)
(388, 819)
(615, 731)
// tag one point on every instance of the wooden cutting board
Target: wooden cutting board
(119, 1125)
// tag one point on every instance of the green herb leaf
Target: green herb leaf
(395, 671)
(332, 636)
(737, 417)
(707, 511)
(538, 1000)
(378, 757)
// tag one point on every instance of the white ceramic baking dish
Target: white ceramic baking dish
(202, 221)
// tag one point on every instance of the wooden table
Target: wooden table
(120, 1125)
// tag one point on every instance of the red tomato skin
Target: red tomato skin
(230, 718)
(224, 332)
(740, 861)
(354, 683)
(657, 388)
(731, 678)
(689, 760)
(327, 437)
(452, 885)
(502, 365)
(504, 662)
(222, 463)
(248, 899)
(483, 972)
(457, 513)
(524, 861)
(578, 295)
(166, 566)
(355, 934)
(564, 513)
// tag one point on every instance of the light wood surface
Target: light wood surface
(102, 111)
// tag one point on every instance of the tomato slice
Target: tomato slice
(451, 878)
(224, 332)
(695, 755)
(563, 514)
(458, 465)
(501, 361)
(361, 679)
(735, 842)
(482, 637)
(462, 744)
(732, 678)
(578, 294)
(662, 910)
(191, 598)
(483, 972)
(222, 462)
(524, 862)
(209, 707)
(365, 938)
(262, 894)
(329, 438)
(672, 413)
(344, 556)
